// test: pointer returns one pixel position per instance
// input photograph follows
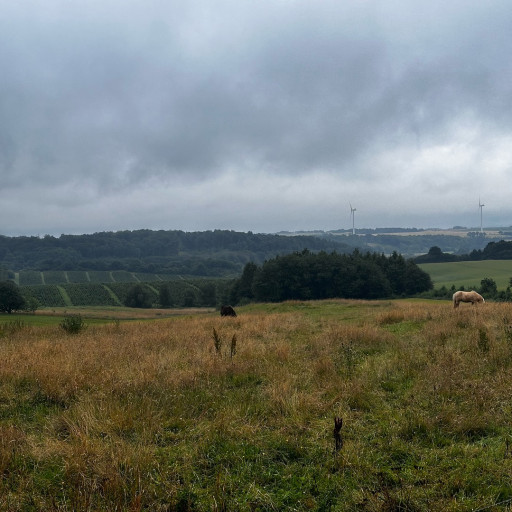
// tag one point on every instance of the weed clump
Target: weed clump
(483, 340)
(11, 327)
(73, 324)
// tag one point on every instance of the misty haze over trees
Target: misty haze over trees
(208, 253)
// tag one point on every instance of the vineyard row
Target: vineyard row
(183, 293)
(33, 277)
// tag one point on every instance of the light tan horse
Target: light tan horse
(471, 296)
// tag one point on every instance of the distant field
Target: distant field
(469, 273)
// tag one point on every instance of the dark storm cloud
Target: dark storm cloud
(105, 96)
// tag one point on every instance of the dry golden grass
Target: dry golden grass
(152, 416)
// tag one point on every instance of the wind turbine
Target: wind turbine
(352, 210)
(480, 205)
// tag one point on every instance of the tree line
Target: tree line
(501, 250)
(300, 275)
(311, 276)
(207, 253)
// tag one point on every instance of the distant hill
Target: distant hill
(218, 253)
(411, 242)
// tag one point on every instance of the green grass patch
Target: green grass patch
(28, 319)
(469, 273)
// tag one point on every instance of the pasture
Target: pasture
(469, 273)
(202, 413)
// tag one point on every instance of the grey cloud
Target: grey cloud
(113, 94)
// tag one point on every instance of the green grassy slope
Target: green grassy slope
(469, 273)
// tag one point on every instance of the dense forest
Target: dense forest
(208, 253)
(306, 275)
(218, 253)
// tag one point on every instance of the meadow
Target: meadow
(202, 413)
(469, 273)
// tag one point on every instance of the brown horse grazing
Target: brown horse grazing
(227, 311)
(471, 296)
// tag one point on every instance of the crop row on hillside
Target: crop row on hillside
(90, 295)
(198, 292)
(33, 277)
(77, 276)
(47, 295)
(30, 277)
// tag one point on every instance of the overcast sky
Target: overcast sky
(250, 115)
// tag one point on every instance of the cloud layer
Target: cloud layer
(259, 116)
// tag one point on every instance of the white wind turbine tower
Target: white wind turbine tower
(352, 210)
(480, 205)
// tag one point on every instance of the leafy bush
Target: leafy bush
(10, 297)
(31, 303)
(73, 324)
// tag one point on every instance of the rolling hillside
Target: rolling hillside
(469, 273)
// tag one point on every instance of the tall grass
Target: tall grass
(164, 416)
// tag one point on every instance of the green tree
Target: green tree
(164, 296)
(208, 294)
(10, 297)
(415, 280)
(435, 252)
(31, 304)
(306, 275)
(138, 296)
(189, 298)
(367, 282)
(244, 284)
(488, 287)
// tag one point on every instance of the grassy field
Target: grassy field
(94, 315)
(469, 273)
(202, 413)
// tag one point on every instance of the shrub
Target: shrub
(73, 324)
(10, 297)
